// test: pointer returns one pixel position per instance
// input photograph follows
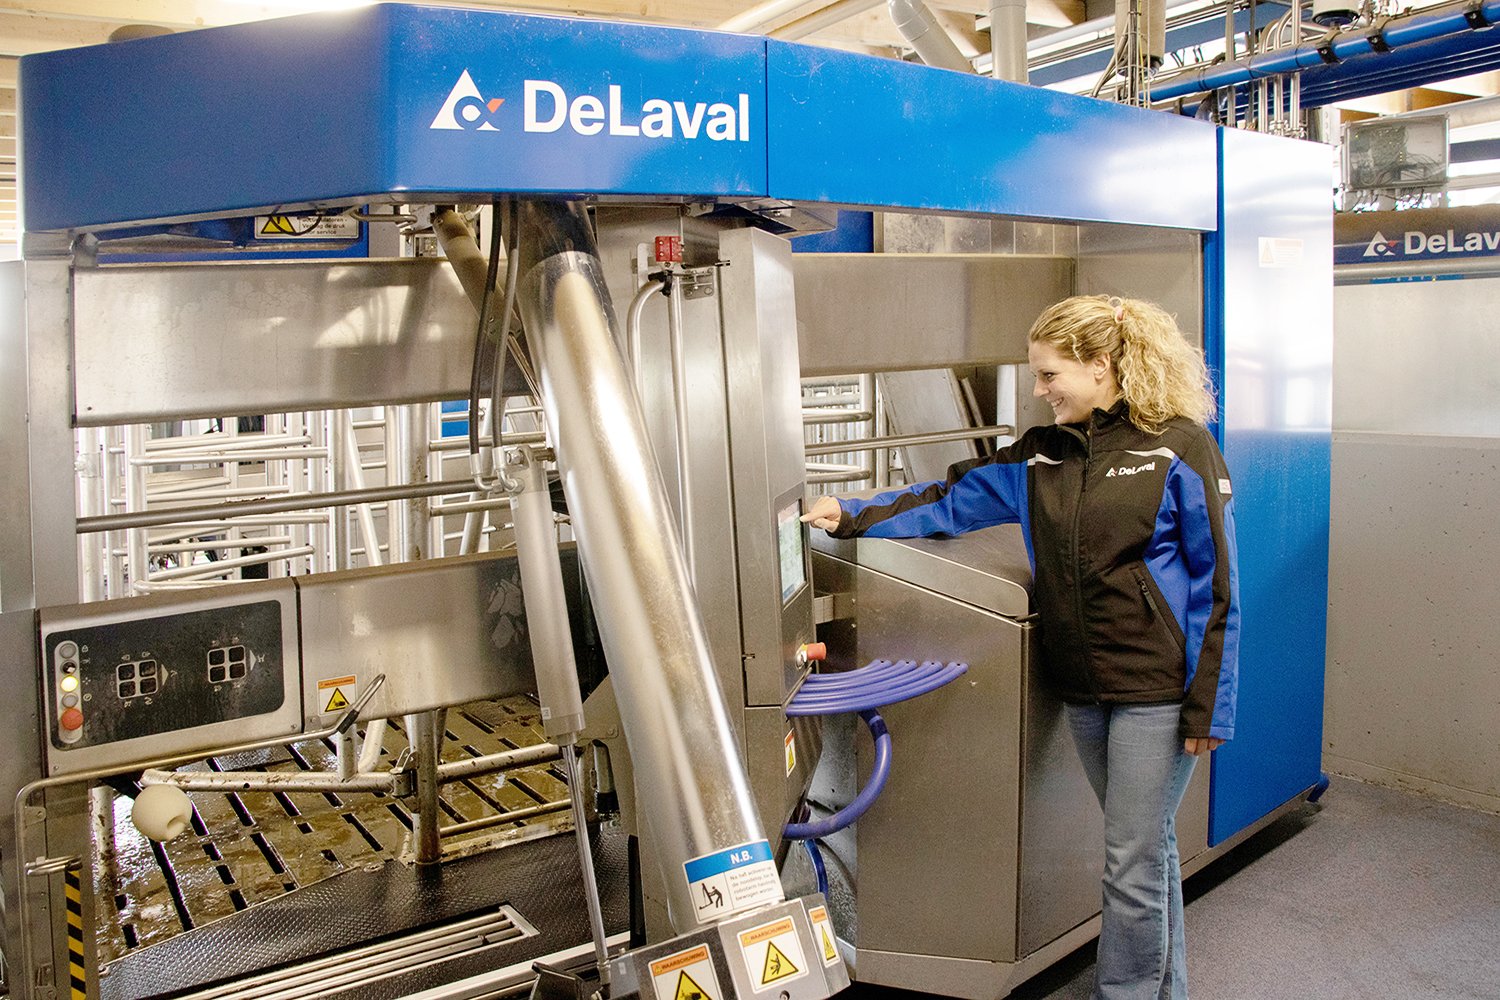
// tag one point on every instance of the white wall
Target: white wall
(1413, 685)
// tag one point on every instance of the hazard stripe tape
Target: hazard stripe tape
(77, 970)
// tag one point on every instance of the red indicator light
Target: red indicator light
(72, 720)
(669, 250)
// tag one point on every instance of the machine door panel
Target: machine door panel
(1275, 353)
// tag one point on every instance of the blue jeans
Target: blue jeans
(1135, 761)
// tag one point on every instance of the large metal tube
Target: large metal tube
(1150, 19)
(426, 739)
(921, 29)
(694, 797)
(1008, 40)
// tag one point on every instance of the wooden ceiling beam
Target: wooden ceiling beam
(27, 34)
(1047, 13)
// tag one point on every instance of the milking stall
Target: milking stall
(409, 415)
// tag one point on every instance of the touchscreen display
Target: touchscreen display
(789, 543)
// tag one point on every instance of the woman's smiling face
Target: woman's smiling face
(1072, 388)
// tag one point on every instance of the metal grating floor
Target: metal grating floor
(388, 907)
(249, 848)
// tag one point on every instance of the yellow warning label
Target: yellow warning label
(687, 975)
(791, 753)
(777, 967)
(334, 694)
(766, 932)
(772, 953)
(681, 960)
(824, 933)
(689, 990)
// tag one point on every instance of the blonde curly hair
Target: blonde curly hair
(1161, 375)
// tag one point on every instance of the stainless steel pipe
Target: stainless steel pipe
(238, 508)
(546, 603)
(694, 797)
(854, 445)
(425, 735)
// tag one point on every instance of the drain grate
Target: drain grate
(250, 847)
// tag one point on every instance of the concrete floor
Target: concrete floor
(1372, 894)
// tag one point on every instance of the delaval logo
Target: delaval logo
(547, 107)
(1380, 246)
(1417, 243)
(1126, 470)
(464, 107)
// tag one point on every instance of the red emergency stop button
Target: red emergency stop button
(71, 720)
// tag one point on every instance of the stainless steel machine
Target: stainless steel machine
(531, 698)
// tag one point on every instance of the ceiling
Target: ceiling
(29, 26)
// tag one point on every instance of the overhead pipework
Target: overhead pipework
(1008, 40)
(921, 30)
(1336, 46)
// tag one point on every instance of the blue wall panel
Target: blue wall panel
(857, 130)
(1274, 255)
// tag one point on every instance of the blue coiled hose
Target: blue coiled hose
(879, 774)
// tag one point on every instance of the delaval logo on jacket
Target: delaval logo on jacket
(1131, 539)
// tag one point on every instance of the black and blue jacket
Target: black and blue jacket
(1131, 540)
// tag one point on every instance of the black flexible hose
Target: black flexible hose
(481, 341)
(512, 273)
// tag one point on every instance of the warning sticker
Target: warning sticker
(773, 954)
(737, 879)
(687, 975)
(1279, 251)
(791, 753)
(337, 693)
(306, 227)
(823, 934)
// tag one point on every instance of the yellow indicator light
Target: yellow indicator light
(70, 684)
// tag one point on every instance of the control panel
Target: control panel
(151, 677)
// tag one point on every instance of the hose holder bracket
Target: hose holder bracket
(1474, 15)
(1325, 47)
(1376, 36)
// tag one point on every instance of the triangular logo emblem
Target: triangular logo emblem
(463, 92)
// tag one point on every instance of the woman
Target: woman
(1125, 507)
